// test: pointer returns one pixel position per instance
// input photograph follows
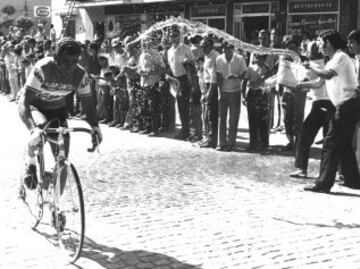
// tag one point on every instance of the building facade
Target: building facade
(241, 18)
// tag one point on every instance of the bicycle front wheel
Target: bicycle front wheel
(69, 212)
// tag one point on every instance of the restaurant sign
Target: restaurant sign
(208, 11)
(299, 6)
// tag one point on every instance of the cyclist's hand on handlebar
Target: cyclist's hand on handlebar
(35, 136)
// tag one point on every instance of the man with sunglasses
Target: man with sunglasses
(46, 95)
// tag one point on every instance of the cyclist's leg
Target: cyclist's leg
(29, 175)
(58, 118)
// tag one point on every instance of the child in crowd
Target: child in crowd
(199, 65)
(257, 101)
(195, 105)
(105, 99)
(117, 82)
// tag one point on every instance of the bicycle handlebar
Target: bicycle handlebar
(65, 130)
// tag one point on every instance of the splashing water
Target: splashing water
(196, 27)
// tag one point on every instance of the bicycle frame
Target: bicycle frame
(55, 182)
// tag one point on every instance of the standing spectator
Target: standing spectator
(353, 40)
(199, 63)
(195, 104)
(321, 111)
(304, 45)
(40, 35)
(52, 33)
(151, 67)
(4, 83)
(265, 39)
(48, 52)
(195, 46)
(133, 86)
(294, 107)
(257, 102)
(167, 100)
(117, 54)
(121, 99)
(105, 101)
(341, 84)
(210, 78)
(20, 68)
(176, 55)
(10, 62)
(230, 70)
(275, 92)
(94, 70)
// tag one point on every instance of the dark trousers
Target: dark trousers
(318, 117)
(337, 146)
(258, 114)
(121, 105)
(213, 115)
(153, 100)
(142, 109)
(167, 107)
(229, 101)
(183, 101)
(107, 102)
(294, 106)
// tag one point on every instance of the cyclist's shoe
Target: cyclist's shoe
(22, 193)
(30, 178)
(61, 220)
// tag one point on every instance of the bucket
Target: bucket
(286, 74)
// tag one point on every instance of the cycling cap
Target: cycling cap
(68, 44)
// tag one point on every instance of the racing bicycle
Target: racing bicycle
(60, 191)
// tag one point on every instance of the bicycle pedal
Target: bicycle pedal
(47, 179)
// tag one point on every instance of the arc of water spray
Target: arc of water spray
(197, 27)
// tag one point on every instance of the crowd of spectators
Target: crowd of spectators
(137, 85)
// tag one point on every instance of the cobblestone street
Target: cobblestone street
(160, 203)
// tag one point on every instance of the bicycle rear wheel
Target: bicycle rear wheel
(70, 213)
(33, 198)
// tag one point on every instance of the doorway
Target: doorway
(252, 25)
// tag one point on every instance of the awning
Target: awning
(118, 2)
(64, 11)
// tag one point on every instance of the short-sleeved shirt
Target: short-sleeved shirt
(254, 76)
(210, 67)
(52, 86)
(236, 66)
(318, 93)
(153, 63)
(343, 85)
(176, 56)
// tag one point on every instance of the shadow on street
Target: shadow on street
(111, 257)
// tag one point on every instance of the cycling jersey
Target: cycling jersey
(52, 86)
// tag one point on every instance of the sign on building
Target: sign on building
(42, 11)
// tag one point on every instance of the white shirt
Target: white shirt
(117, 59)
(236, 66)
(176, 56)
(318, 93)
(210, 67)
(343, 85)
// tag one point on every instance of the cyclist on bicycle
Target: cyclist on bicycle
(46, 95)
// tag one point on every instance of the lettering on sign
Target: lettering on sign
(313, 6)
(205, 11)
